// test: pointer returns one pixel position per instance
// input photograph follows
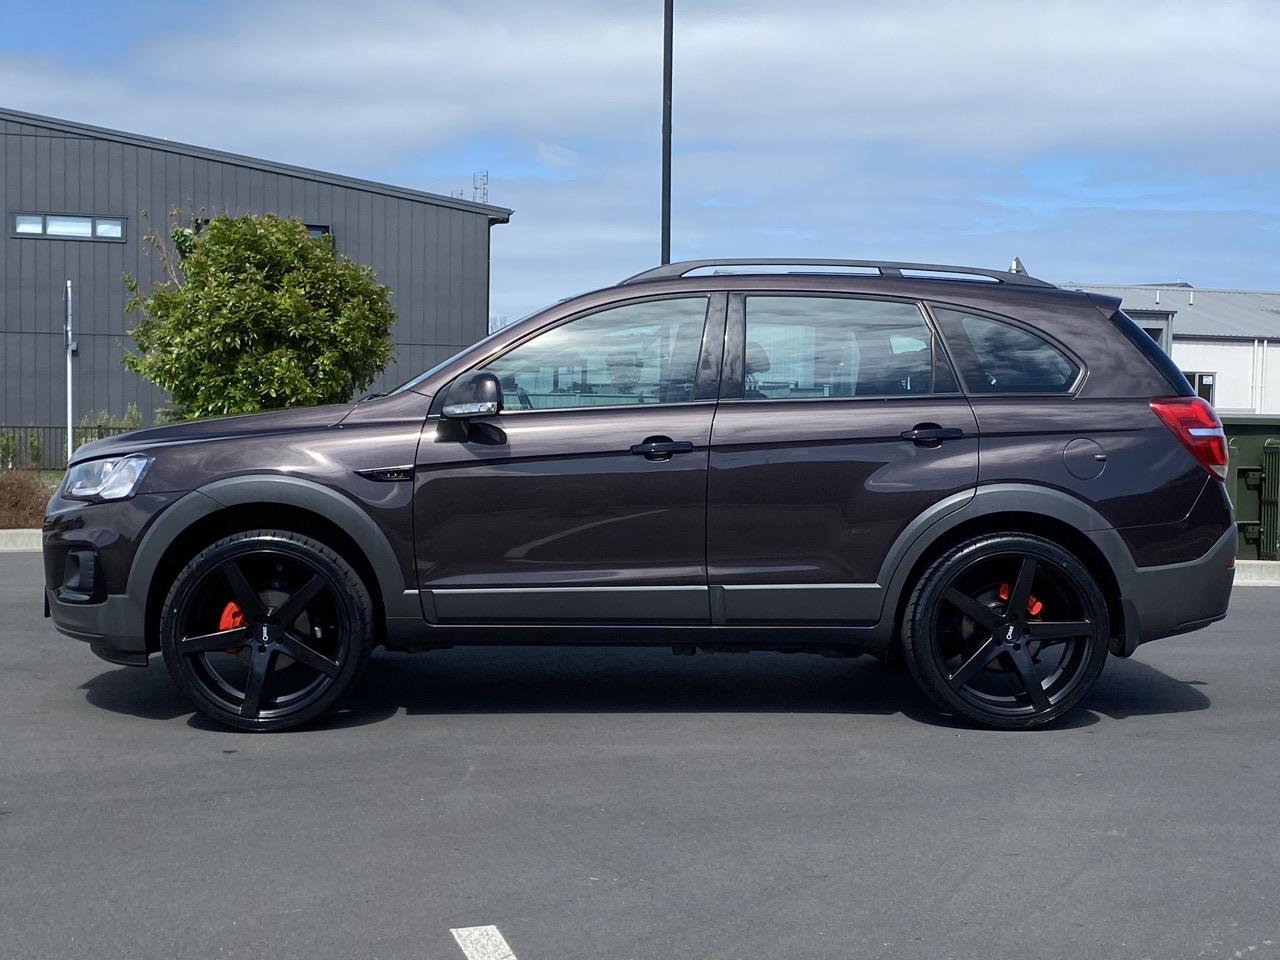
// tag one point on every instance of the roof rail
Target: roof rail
(886, 268)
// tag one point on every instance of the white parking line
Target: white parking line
(482, 943)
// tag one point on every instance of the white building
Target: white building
(1227, 342)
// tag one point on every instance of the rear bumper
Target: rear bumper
(1167, 600)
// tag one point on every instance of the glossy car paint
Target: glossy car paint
(1147, 478)
(325, 445)
(536, 525)
(536, 499)
(814, 492)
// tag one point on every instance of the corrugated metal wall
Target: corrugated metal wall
(434, 258)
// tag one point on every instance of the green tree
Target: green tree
(256, 314)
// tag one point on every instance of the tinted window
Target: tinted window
(1157, 357)
(997, 357)
(810, 347)
(639, 353)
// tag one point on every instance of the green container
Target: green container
(1253, 480)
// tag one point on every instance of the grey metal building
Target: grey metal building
(78, 199)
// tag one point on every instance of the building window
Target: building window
(1156, 334)
(313, 229)
(61, 226)
(1201, 382)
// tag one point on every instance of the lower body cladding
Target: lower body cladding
(1153, 602)
(1175, 598)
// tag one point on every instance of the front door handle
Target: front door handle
(661, 448)
(930, 434)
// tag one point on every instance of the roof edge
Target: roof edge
(495, 214)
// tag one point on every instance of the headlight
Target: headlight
(111, 479)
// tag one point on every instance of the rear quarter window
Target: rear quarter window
(1162, 362)
(997, 357)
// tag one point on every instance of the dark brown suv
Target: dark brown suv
(998, 480)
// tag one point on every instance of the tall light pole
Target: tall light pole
(70, 342)
(666, 133)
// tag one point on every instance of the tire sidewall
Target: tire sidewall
(921, 653)
(351, 596)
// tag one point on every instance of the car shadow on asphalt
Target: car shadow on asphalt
(517, 680)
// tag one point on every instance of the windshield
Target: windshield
(415, 381)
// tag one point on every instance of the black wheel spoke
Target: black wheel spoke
(246, 597)
(296, 647)
(209, 642)
(1021, 594)
(265, 629)
(292, 608)
(981, 658)
(259, 667)
(1050, 631)
(1031, 681)
(978, 612)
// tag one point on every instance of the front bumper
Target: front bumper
(113, 628)
(98, 541)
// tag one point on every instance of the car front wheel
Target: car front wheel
(265, 630)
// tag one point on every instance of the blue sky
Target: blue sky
(1100, 142)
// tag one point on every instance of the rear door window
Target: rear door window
(801, 348)
(997, 357)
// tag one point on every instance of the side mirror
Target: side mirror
(479, 395)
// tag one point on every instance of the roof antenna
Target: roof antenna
(1017, 267)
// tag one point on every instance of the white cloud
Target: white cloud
(872, 128)
(406, 75)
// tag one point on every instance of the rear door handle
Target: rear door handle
(661, 448)
(931, 434)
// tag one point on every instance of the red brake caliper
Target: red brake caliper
(231, 619)
(1034, 606)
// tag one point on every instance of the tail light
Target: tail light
(1198, 428)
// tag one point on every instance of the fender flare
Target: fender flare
(211, 498)
(928, 528)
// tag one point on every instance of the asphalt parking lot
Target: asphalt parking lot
(631, 804)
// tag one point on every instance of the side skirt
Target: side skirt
(840, 641)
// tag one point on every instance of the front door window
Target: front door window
(639, 353)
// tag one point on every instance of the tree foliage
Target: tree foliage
(256, 314)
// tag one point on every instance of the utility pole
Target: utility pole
(69, 337)
(666, 132)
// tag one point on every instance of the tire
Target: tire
(1006, 630)
(265, 630)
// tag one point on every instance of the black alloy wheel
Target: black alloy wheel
(1008, 630)
(265, 630)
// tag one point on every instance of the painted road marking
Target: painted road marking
(482, 943)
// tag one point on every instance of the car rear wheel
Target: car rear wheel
(265, 630)
(1007, 630)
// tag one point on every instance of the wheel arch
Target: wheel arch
(247, 503)
(1008, 508)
